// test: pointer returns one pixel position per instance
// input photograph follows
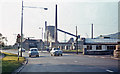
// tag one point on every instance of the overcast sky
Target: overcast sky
(81, 13)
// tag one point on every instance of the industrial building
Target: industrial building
(33, 43)
(92, 45)
(100, 45)
(49, 34)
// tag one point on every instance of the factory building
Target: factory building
(51, 37)
(33, 43)
(100, 45)
(49, 34)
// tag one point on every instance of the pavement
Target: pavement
(69, 63)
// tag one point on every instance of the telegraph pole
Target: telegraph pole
(92, 31)
(76, 41)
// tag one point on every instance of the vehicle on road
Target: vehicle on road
(33, 52)
(56, 52)
(23, 50)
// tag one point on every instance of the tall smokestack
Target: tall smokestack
(55, 24)
(45, 25)
(92, 31)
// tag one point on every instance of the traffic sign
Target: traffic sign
(18, 38)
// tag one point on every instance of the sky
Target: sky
(71, 13)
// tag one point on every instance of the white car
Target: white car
(33, 52)
(23, 50)
(56, 52)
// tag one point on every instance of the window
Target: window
(111, 47)
(89, 47)
(98, 47)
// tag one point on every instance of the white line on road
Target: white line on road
(90, 56)
(75, 61)
(109, 70)
(102, 57)
(95, 56)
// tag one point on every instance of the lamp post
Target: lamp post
(22, 22)
(42, 38)
(21, 28)
(42, 31)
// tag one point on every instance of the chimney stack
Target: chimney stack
(45, 25)
(55, 24)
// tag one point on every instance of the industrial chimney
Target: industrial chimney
(55, 24)
(92, 32)
(45, 25)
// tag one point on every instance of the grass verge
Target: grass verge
(72, 50)
(10, 62)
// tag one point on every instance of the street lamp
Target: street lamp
(45, 8)
(42, 37)
(35, 7)
(42, 31)
(22, 21)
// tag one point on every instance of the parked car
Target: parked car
(48, 49)
(23, 50)
(56, 52)
(33, 52)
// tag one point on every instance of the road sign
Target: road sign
(18, 38)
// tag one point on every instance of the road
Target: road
(68, 63)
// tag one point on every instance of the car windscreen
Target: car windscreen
(56, 48)
(33, 49)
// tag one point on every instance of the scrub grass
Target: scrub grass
(10, 62)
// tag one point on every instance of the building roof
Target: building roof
(101, 41)
(33, 40)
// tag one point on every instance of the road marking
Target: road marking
(90, 56)
(75, 61)
(102, 57)
(109, 70)
(96, 56)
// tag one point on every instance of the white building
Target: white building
(101, 45)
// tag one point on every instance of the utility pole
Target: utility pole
(42, 33)
(21, 28)
(76, 41)
(92, 31)
(47, 38)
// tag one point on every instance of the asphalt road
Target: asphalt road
(69, 63)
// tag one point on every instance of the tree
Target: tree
(3, 40)
(0, 35)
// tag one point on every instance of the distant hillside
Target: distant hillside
(115, 36)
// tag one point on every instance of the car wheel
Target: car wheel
(29, 55)
(51, 55)
(61, 54)
(37, 55)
